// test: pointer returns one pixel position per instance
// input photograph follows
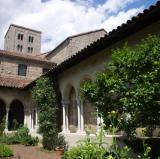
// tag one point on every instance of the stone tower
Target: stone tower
(22, 40)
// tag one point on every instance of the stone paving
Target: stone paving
(31, 152)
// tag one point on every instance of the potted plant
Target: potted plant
(61, 145)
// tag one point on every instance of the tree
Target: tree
(130, 85)
(45, 97)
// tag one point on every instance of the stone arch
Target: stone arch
(66, 92)
(72, 110)
(2, 110)
(16, 115)
(89, 110)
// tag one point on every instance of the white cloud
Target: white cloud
(58, 19)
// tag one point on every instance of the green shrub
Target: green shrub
(5, 151)
(30, 141)
(86, 150)
(44, 95)
(2, 125)
(20, 137)
(97, 149)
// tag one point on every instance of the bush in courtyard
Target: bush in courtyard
(45, 97)
(96, 148)
(24, 138)
(5, 151)
(20, 137)
(2, 125)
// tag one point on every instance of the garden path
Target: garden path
(31, 152)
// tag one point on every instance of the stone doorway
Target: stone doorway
(16, 115)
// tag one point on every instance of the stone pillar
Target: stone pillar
(79, 115)
(99, 122)
(6, 121)
(65, 116)
(25, 115)
(82, 117)
(30, 119)
(36, 119)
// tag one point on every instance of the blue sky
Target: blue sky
(58, 19)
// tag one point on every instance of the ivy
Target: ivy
(45, 97)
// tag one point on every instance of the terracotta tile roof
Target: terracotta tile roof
(25, 57)
(13, 82)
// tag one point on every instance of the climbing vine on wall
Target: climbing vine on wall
(45, 97)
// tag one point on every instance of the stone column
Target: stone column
(99, 122)
(30, 119)
(79, 115)
(67, 120)
(65, 116)
(25, 115)
(36, 119)
(82, 117)
(6, 121)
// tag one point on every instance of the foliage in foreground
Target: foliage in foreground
(5, 151)
(45, 97)
(92, 148)
(129, 86)
(2, 125)
(20, 137)
(98, 148)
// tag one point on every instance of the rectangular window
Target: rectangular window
(30, 49)
(22, 70)
(30, 39)
(19, 48)
(20, 36)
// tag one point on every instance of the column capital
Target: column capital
(78, 101)
(7, 108)
(64, 102)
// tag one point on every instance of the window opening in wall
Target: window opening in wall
(20, 36)
(30, 49)
(22, 69)
(30, 39)
(19, 48)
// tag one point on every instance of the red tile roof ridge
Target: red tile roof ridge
(14, 82)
